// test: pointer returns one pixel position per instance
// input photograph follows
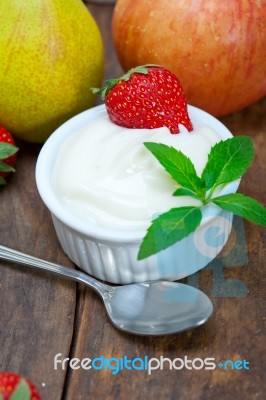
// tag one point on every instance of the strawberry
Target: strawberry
(147, 96)
(14, 386)
(7, 154)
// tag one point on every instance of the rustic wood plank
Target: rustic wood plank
(37, 309)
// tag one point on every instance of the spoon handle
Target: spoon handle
(9, 254)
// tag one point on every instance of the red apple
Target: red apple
(216, 48)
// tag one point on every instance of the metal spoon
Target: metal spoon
(149, 308)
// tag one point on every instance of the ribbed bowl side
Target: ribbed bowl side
(117, 262)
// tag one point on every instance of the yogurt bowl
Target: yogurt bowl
(106, 248)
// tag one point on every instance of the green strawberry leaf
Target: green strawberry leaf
(110, 83)
(2, 181)
(243, 206)
(141, 69)
(228, 160)
(7, 150)
(22, 391)
(5, 167)
(168, 229)
(177, 165)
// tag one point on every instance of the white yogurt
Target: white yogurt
(105, 175)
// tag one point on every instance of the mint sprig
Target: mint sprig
(168, 228)
(228, 160)
(242, 206)
(179, 166)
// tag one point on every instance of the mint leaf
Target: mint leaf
(7, 150)
(22, 391)
(243, 206)
(5, 167)
(228, 160)
(169, 228)
(184, 192)
(179, 166)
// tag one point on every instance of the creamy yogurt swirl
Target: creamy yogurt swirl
(105, 175)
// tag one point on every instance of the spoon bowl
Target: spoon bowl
(158, 308)
(149, 308)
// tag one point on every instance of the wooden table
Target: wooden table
(43, 315)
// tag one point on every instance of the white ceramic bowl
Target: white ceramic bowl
(112, 255)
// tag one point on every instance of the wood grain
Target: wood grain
(37, 310)
(42, 315)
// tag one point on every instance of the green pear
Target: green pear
(51, 54)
